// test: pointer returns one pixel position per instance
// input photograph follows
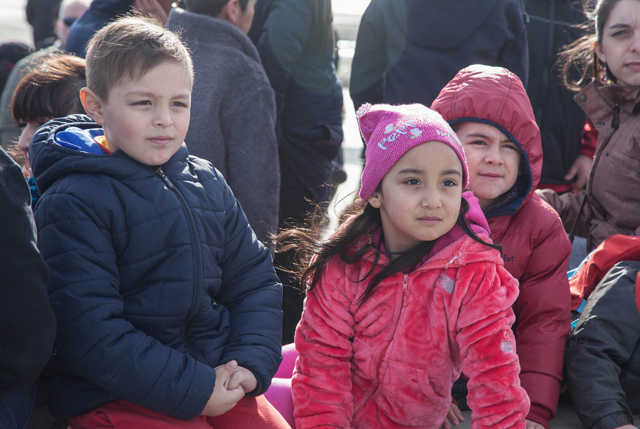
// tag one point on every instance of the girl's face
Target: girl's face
(419, 198)
(620, 46)
(28, 130)
(492, 158)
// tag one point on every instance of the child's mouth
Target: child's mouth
(161, 141)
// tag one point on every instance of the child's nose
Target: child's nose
(493, 156)
(431, 198)
(163, 118)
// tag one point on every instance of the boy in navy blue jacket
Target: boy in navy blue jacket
(168, 307)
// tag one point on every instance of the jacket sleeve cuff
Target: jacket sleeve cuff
(613, 421)
(588, 151)
(539, 415)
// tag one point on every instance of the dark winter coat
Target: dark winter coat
(308, 98)
(534, 245)
(602, 359)
(27, 324)
(156, 278)
(407, 50)
(99, 13)
(553, 24)
(233, 115)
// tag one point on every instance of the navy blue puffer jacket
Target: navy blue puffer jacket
(156, 278)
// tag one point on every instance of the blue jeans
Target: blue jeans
(16, 406)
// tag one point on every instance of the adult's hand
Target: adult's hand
(580, 171)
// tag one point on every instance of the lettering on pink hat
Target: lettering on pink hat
(398, 130)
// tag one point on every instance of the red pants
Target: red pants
(254, 413)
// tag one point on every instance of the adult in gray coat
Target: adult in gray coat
(233, 110)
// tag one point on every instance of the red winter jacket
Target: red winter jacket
(534, 244)
(390, 362)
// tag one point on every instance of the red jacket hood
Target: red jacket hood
(495, 96)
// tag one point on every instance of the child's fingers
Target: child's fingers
(234, 381)
(224, 372)
(457, 413)
(235, 394)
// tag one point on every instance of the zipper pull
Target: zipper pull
(405, 280)
(164, 177)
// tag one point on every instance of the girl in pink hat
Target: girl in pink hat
(407, 294)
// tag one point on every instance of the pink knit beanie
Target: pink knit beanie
(390, 131)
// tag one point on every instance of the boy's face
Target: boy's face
(492, 158)
(148, 118)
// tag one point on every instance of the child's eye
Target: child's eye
(142, 103)
(511, 146)
(449, 183)
(478, 142)
(619, 33)
(412, 182)
(178, 104)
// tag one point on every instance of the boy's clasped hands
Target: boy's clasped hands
(232, 383)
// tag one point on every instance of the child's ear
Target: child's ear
(228, 12)
(375, 199)
(92, 105)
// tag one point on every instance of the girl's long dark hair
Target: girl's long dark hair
(311, 254)
(322, 17)
(578, 61)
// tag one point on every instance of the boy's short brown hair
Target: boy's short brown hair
(131, 46)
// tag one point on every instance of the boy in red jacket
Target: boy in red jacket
(491, 114)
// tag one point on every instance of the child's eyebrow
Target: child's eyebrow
(484, 136)
(451, 171)
(141, 93)
(411, 171)
(420, 171)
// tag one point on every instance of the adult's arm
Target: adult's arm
(286, 32)
(369, 65)
(606, 336)
(568, 207)
(27, 324)
(321, 385)
(93, 337)
(252, 157)
(252, 294)
(543, 312)
(487, 347)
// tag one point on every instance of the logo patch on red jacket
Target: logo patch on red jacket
(445, 282)
(506, 347)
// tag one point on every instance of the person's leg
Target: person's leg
(16, 406)
(279, 395)
(289, 356)
(254, 413)
(125, 415)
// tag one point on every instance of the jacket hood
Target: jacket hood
(495, 96)
(443, 24)
(52, 157)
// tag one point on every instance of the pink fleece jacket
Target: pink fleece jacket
(390, 362)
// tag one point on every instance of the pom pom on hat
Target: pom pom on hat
(390, 131)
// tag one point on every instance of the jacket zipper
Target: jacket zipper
(405, 281)
(195, 244)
